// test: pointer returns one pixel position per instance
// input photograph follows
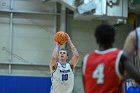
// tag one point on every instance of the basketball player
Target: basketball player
(62, 71)
(132, 46)
(104, 69)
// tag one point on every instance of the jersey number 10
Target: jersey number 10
(64, 77)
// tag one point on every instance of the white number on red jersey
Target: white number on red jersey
(98, 73)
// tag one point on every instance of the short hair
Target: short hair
(105, 35)
(63, 49)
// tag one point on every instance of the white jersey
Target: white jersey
(62, 79)
(138, 41)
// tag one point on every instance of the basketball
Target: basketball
(60, 37)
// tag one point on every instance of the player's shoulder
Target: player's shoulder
(132, 34)
(107, 51)
(87, 55)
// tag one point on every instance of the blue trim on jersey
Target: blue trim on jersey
(55, 68)
(63, 65)
(70, 66)
(136, 39)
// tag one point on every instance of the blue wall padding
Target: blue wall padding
(24, 84)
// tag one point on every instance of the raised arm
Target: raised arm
(75, 57)
(130, 43)
(54, 57)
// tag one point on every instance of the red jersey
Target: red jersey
(101, 72)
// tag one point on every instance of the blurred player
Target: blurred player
(104, 69)
(62, 71)
(132, 48)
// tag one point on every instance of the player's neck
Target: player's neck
(62, 61)
(102, 48)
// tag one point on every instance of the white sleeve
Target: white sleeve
(84, 63)
(117, 64)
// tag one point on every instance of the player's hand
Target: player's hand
(56, 43)
(68, 37)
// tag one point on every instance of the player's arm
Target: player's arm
(54, 57)
(131, 70)
(130, 43)
(84, 68)
(75, 57)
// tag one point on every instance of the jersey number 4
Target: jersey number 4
(98, 73)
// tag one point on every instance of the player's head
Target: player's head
(63, 55)
(105, 35)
